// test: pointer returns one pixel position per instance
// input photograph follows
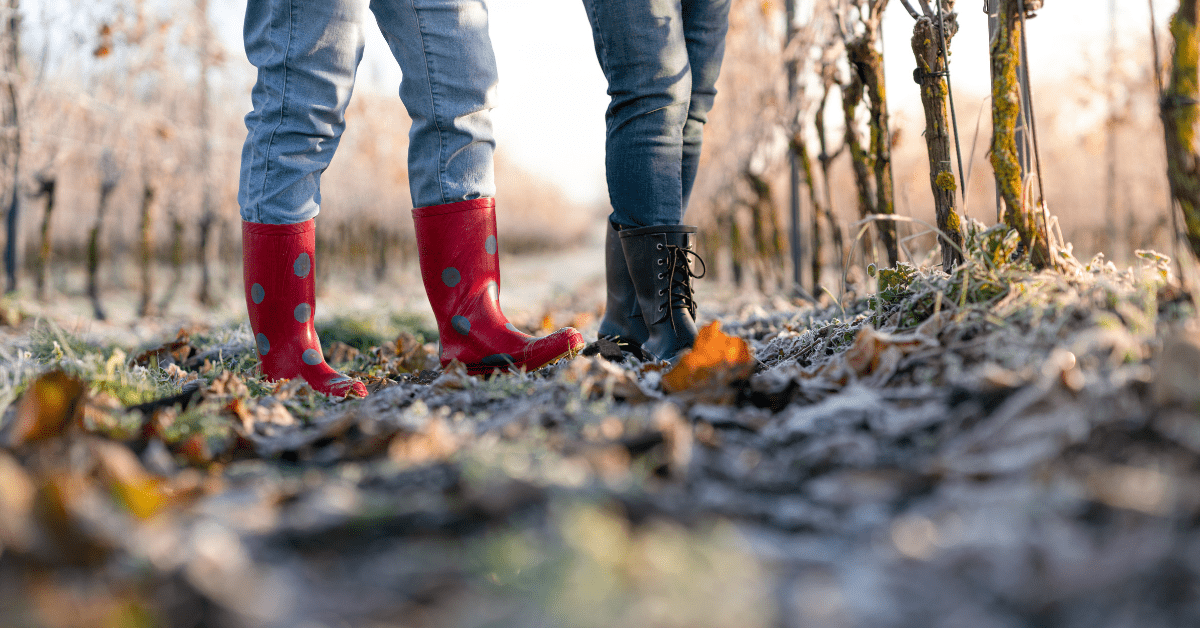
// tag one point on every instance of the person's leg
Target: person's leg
(306, 52)
(448, 87)
(449, 72)
(705, 24)
(642, 52)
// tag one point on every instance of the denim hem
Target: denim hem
(454, 208)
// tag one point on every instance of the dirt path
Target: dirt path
(992, 448)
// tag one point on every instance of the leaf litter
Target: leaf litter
(990, 447)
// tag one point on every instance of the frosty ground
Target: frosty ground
(993, 447)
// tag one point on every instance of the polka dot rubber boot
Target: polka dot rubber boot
(278, 266)
(456, 244)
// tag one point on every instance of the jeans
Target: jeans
(307, 53)
(661, 59)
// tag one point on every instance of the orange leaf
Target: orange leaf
(47, 407)
(142, 494)
(716, 360)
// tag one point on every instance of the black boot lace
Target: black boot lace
(679, 275)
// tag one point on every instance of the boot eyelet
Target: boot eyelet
(660, 246)
(661, 275)
(662, 293)
(662, 262)
(661, 308)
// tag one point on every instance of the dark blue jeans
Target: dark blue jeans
(661, 59)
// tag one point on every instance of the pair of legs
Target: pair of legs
(661, 59)
(307, 53)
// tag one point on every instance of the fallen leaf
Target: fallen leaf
(57, 507)
(17, 492)
(140, 492)
(176, 351)
(435, 441)
(413, 356)
(195, 450)
(599, 377)
(715, 362)
(237, 407)
(47, 408)
(341, 353)
(102, 414)
(289, 388)
(228, 384)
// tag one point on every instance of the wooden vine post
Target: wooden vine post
(873, 164)
(1006, 108)
(931, 76)
(110, 177)
(1180, 114)
(804, 167)
(47, 185)
(146, 251)
(10, 138)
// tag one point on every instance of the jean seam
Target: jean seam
(287, 50)
(432, 102)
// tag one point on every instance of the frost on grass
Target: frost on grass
(991, 447)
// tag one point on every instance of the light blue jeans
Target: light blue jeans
(661, 59)
(307, 53)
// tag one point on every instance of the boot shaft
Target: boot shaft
(460, 269)
(278, 267)
(659, 260)
(622, 315)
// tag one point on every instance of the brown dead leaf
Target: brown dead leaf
(875, 356)
(272, 412)
(288, 388)
(715, 362)
(599, 377)
(177, 351)
(228, 384)
(47, 408)
(610, 462)
(341, 353)
(195, 450)
(102, 413)
(237, 408)
(435, 442)
(56, 507)
(17, 491)
(453, 377)
(677, 434)
(413, 355)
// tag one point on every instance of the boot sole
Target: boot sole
(489, 370)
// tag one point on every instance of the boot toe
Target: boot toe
(342, 386)
(564, 343)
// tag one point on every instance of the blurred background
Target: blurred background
(129, 119)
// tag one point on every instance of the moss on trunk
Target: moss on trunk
(1180, 114)
(1006, 106)
(931, 68)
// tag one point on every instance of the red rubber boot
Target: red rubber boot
(456, 244)
(278, 266)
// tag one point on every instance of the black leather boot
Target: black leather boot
(659, 261)
(622, 322)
